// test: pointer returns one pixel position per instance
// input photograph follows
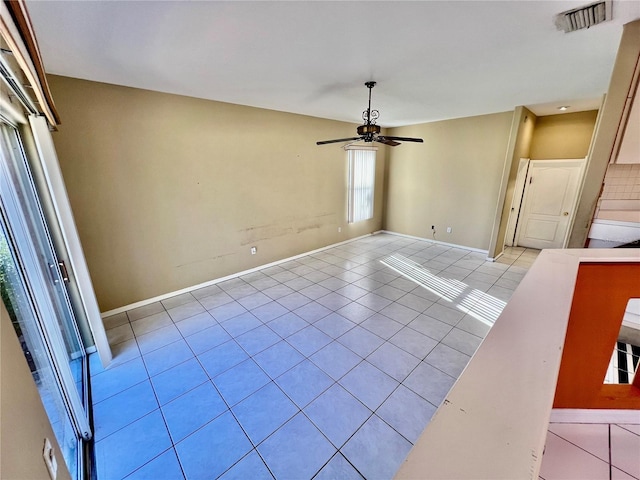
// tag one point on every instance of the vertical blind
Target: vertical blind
(362, 175)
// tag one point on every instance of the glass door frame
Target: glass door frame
(38, 288)
(46, 171)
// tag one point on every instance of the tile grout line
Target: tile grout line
(339, 264)
(609, 441)
(583, 449)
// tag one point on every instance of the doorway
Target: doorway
(549, 196)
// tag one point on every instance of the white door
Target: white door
(550, 197)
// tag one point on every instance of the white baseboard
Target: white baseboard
(165, 296)
(438, 242)
(493, 259)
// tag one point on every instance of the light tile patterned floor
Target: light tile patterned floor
(328, 366)
(582, 451)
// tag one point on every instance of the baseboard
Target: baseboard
(166, 296)
(493, 259)
(438, 242)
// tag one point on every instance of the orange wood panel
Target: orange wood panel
(600, 298)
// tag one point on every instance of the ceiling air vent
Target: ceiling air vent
(584, 17)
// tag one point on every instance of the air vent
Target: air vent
(584, 17)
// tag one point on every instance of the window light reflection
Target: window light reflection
(480, 305)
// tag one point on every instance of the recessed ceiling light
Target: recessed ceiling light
(563, 108)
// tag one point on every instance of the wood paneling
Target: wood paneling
(600, 298)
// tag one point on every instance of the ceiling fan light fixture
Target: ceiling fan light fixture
(369, 132)
(368, 129)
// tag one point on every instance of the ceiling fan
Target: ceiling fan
(370, 132)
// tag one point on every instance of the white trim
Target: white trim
(166, 296)
(453, 245)
(493, 259)
(12, 35)
(516, 202)
(62, 206)
(8, 110)
(574, 207)
(351, 146)
(577, 415)
(34, 264)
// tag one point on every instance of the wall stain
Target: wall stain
(265, 232)
(309, 227)
(210, 259)
(315, 223)
(283, 227)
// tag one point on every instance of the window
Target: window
(362, 179)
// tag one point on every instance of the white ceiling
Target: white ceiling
(432, 60)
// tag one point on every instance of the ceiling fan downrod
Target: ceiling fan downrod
(369, 129)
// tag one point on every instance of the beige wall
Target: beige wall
(169, 191)
(24, 422)
(522, 128)
(618, 96)
(453, 179)
(563, 136)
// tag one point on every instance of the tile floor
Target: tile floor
(580, 451)
(327, 366)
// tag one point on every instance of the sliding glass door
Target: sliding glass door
(35, 295)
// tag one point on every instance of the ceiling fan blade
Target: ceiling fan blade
(338, 140)
(387, 141)
(405, 139)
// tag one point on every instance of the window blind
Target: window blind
(362, 175)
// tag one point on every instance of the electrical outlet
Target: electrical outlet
(254, 250)
(448, 229)
(50, 459)
(433, 227)
(339, 229)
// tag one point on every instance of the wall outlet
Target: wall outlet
(433, 227)
(50, 459)
(339, 229)
(254, 250)
(448, 229)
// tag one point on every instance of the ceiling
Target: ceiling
(432, 60)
